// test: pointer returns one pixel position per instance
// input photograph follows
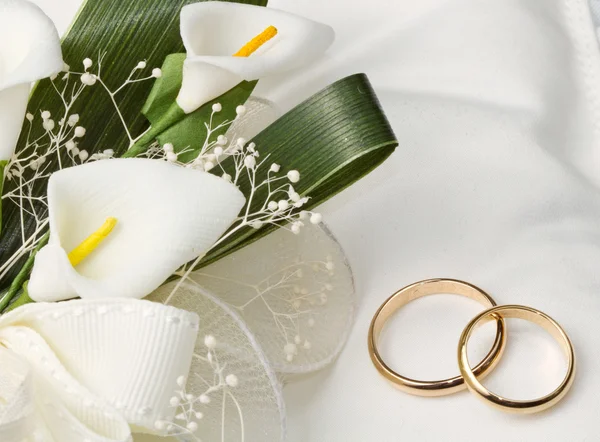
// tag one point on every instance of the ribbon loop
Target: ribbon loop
(88, 370)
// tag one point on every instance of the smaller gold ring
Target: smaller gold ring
(410, 293)
(528, 314)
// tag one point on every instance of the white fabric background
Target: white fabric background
(496, 181)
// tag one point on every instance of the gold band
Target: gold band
(529, 314)
(410, 293)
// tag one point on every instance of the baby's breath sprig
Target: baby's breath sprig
(190, 408)
(282, 205)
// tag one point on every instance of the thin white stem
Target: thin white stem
(112, 97)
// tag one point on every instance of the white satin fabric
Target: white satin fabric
(496, 181)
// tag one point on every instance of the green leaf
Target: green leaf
(3, 164)
(23, 275)
(169, 124)
(21, 300)
(333, 139)
(190, 133)
(165, 90)
(127, 31)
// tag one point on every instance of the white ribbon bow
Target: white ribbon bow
(91, 370)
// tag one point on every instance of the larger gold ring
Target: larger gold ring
(529, 314)
(410, 293)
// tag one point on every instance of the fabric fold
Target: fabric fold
(90, 369)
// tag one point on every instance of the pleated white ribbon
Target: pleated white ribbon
(91, 370)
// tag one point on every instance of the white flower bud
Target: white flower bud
(217, 107)
(156, 72)
(73, 120)
(232, 380)
(79, 132)
(283, 205)
(88, 79)
(48, 125)
(87, 63)
(293, 176)
(210, 342)
(296, 228)
(141, 65)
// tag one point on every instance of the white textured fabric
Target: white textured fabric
(496, 181)
(213, 31)
(166, 215)
(29, 51)
(88, 370)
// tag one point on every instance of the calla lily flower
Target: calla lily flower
(29, 51)
(213, 32)
(166, 215)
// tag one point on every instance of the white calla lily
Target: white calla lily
(29, 51)
(166, 216)
(213, 32)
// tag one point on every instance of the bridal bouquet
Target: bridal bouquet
(163, 268)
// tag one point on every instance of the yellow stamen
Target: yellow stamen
(253, 45)
(89, 244)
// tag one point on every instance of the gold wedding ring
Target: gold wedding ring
(470, 377)
(418, 290)
(528, 314)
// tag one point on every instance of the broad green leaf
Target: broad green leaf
(169, 124)
(165, 90)
(333, 139)
(126, 32)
